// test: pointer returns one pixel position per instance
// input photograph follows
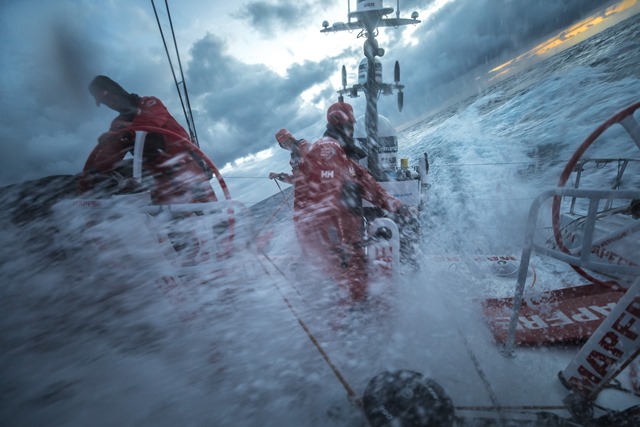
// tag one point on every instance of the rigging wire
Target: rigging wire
(353, 398)
(285, 199)
(186, 109)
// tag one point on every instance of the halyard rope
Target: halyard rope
(281, 192)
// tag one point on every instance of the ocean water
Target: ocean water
(92, 335)
(493, 153)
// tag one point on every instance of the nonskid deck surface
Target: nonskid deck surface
(432, 322)
(461, 354)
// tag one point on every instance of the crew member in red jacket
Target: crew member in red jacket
(298, 149)
(179, 174)
(329, 216)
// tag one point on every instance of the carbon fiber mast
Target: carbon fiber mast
(378, 138)
(369, 16)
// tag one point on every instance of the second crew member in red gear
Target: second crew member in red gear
(332, 186)
(298, 149)
(179, 175)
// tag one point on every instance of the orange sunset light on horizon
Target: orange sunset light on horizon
(574, 34)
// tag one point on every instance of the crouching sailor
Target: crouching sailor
(179, 175)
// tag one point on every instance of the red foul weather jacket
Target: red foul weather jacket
(179, 175)
(327, 217)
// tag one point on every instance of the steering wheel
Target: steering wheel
(626, 119)
(189, 146)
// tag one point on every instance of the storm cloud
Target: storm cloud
(51, 52)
